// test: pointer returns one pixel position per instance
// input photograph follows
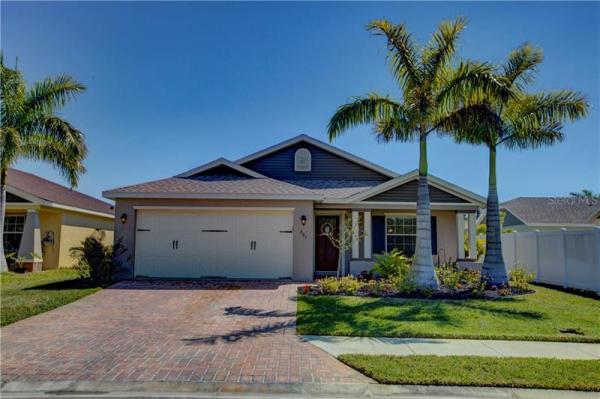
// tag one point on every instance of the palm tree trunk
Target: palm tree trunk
(3, 264)
(423, 266)
(493, 263)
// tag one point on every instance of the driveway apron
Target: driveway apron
(197, 331)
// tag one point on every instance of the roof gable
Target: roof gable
(10, 197)
(407, 192)
(403, 189)
(220, 167)
(326, 165)
(328, 162)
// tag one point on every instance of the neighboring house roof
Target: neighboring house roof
(25, 184)
(553, 210)
(215, 187)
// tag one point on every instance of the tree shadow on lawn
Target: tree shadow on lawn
(385, 313)
(75, 284)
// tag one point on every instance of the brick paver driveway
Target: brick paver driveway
(171, 331)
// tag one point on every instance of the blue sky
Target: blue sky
(175, 85)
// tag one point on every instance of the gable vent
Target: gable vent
(302, 160)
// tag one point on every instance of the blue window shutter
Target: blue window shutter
(378, 234)
(434, 235)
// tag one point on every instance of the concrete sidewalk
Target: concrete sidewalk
(460, 347)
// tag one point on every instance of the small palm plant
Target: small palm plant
(30, 128)
(523, 121)
(431, 88)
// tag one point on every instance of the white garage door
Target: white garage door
(214, 243)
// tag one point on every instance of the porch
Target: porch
(453, 237)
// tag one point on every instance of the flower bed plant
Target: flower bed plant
(392, 277)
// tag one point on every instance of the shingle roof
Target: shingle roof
(335, 189)
(52, 192)
(556, 210)
(215, 185)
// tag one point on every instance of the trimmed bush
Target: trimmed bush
(519, 279)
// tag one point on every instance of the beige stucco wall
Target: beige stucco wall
(50, 221)
(303, 236)
(446, 234)
(75, 228)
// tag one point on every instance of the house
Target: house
(44, 220)
(549, 213)
(263, 216)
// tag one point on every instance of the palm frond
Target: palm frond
(531, 111)
(521, 66)
(397, 127)
(442, 46)
(60, 130)
(10, 145)
(41, 147)
(545, 135)
(475, 81)
(402, 51)
(475, 124)
(12, 95)
(362, 110)
(52, 93)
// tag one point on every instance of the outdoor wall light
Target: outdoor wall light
(124, 218)
(303, 220)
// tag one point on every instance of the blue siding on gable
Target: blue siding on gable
(221, 171)
(378, 234)
(325, 166)
(407, 192)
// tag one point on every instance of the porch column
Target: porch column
(30, 247)
(460, 234)
(367, 239)
(355, 242)
(472, 236)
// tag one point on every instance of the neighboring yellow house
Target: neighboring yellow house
(44, 220)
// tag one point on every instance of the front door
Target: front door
(326, 254)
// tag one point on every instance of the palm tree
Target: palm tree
(430, 86)
(524, 121)
(585, 194)
(31, 129)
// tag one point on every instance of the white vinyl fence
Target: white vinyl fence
(568, 258)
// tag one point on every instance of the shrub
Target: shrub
(520, 278)
(349, 285)
(454, 280)
(404, 284)
(379, 288)
(392, 264)
(329, 285)
(448, 275)
(96, 260)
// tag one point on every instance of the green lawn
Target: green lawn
(583, 375)
(25, 295)
(539, 317)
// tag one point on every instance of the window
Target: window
(302, 160)
(401, 233)
(13, 230)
